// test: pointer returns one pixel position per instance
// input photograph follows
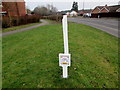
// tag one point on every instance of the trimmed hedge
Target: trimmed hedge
(21, 20)
(53, 17)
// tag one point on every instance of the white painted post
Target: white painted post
(65, 34)
(65, 71)
(64, 59)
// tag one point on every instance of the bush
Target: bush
(22, 20)
(15, 21)
(5, 22)
(53, 17)
(33, 19)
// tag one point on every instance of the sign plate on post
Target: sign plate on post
(64, 59)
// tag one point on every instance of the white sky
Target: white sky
(67, 4)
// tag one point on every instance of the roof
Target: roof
(100, 7)
(118, 10)
(113, 8)
(86, 11)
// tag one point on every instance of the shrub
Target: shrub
(19, 20)
(33, 19)
(53, 17)
(5, 22)
(15, 21)
(22, 20)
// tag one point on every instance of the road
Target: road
(108, 25)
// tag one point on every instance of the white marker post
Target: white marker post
(64, 59)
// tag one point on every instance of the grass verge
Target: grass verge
(30, 58)
(52, 21)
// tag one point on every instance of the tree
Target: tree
(41, 10)
(28, 11)
(75, 7)
(51, 9)
(48, 10)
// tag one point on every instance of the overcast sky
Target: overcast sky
(67, 4)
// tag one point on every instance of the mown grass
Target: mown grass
(52, 21)
(19, 27)
(70, 22)
(30, 58)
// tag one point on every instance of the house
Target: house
(73, 13)
(1, 12)
(118, 10)
(97, 9)
(68, 13)
(14, 8)
(106, 11)
(86, 12)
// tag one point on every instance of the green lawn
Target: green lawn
(19, 27)
(52, 21)
(30, 58)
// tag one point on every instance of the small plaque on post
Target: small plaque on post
(64, 59)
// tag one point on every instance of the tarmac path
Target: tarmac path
(25, 29)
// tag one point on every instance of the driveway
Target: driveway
(108, 25)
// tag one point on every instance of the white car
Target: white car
(87, 15)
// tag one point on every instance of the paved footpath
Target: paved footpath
(25, 29)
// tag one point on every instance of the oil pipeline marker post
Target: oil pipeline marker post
(64, 58)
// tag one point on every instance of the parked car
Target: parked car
(87, 15)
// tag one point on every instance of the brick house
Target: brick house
(1, 12)
(106, 11)
(84, 12)
(14, 8)
(97, 9)
(118, 10)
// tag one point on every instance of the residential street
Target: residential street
(108, 25)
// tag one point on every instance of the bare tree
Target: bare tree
(36, 10)
(52, 9)
(41, 10)
(28, 11)
(48, 10)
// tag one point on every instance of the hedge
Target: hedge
(53, 17)
(21, 20)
